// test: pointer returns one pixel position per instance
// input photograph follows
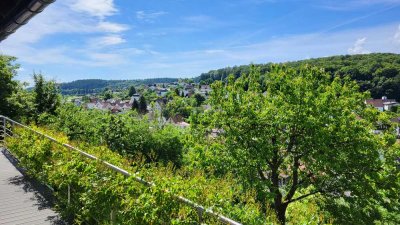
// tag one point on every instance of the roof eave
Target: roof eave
(23, 16)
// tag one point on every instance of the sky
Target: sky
(126, 39)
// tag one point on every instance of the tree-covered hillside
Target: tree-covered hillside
(97, 85)
(379, 72)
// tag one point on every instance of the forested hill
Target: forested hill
(96, 85)
(379, 72)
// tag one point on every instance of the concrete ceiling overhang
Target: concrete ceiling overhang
(15, 13)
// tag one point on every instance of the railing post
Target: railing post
(69, 194)
(4, 127)
(112, 217)
(200, 214)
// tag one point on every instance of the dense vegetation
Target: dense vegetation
(378, 73)
(90, 86)
(101, 196)
(288, 146)
(293, 134)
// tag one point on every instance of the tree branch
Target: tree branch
(295, 179)
(303, 196)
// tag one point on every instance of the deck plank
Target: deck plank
(20, 200)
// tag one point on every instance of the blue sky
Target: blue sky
(126, 39)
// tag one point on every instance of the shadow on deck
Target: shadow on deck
(23, 200)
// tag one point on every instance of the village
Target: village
(160, 95)
(163, 93)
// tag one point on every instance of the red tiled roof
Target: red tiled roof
(378, 102)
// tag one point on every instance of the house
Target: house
(382, 104)
(134, 97)
(189, 87)
(184, 93)
(91, 105)
(113, 105)
(205, 90)
(159, 104)
(162, 92)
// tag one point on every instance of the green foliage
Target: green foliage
(179, 106)
(135, 105)
(79, 124)
(301, 124)
(8, 70)
(47, 98)
(21, 104)
(142, 105)
(132, 91)
(378, 73)
(199, 99)
(107, 95)
(126, 134)
(95, 86)
(96, 191)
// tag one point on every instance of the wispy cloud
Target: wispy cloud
(356, 19)
(349, 5)
(359, 47)
(279, 49)
(98, 8)
(108, 40)
(149, 16)
(112, 27)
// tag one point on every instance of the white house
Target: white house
(382, 104)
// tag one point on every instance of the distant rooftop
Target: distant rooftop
(15, 13)
(381, 102)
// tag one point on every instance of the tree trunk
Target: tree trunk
(281, 213)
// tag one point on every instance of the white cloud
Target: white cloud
(279, 49)
(149, 16)
(106, 41)
(55, 19)
(397, 36)
(359, 47)
(60, 19)
(98, 8)
(112, 27)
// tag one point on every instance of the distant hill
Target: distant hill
(90, 86)
(379, 72)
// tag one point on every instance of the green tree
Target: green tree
(142, 105)
(8, 70)
(132, 91)
(22, 106)
(47, 97)
(199, 99)
(292, 134)
(135, 105)
(178, 106)
(108, 95)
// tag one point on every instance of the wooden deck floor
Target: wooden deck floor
(21, 200)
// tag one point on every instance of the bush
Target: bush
(97, 192)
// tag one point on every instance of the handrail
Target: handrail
(199, 208)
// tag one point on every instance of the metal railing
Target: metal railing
(6, 129)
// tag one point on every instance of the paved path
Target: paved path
(22, 200)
